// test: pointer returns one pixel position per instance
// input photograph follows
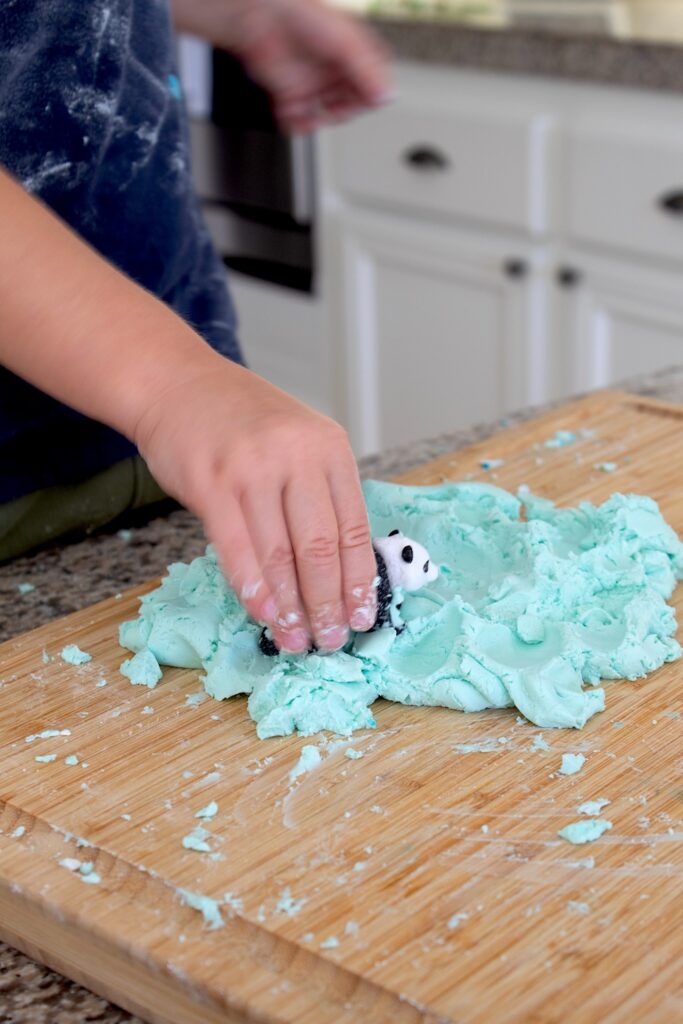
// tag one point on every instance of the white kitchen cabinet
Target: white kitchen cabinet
(611, 320)
(425, 203)
(436, 328)
(452, 155)
(624, 185)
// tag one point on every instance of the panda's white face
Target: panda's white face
(408, 563)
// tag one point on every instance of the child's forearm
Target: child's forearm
(77, 328)
(274, 482)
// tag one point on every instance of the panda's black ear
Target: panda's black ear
(393, 533)
(425, 567)
(407, 553)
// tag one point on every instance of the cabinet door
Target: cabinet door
(437, 329)
(614, 321)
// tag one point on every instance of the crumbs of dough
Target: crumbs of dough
(561, 439)
(571, 764)
(70, 863)
(308, 760)
(592, 807)
(288, 905)
(47, 734)
(88, 873)
(580, 832)
(209, 908)
(73, 655)
(209, 811)
(142, 669)
(196, 840)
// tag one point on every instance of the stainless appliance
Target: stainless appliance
(255, 183)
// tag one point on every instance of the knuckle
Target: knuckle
(225, 469)
(240, 467)
(355, 534)
(280, 558)
(218, 465)
(250, 591)
(320, 549)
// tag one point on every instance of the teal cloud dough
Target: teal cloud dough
(525, 612)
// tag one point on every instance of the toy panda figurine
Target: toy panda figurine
(401, 562)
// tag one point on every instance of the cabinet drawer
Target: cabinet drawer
(626, 188)
(471, 161)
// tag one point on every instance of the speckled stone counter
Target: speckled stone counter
(67, 578)
(572, 56)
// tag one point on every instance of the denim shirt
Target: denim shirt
(92, 121)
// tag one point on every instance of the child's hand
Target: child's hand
(318, 64)
(274, 482)
(277, 488)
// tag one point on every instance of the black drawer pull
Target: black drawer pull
(672, 202)
(569, 277)
(516, 268)
(426, 158)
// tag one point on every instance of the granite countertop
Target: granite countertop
(585, 58)
(67, 578)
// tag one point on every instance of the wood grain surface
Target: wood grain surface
(420, 882)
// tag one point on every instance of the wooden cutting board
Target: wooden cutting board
(420, 882)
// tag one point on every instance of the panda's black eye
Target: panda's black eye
(425, 567)
(407, 553)
(393, 533)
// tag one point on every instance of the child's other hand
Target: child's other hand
(318, 64)
(277, 489)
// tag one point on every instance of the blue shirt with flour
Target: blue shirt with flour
(92, 122)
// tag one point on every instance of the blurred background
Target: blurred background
(506, 231)
(643, 19)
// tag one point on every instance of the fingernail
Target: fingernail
(363, 617)
(269, 610)
(294, 641)
(289, 620)
(250, 590)
(332, 638)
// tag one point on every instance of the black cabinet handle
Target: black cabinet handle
(672, 202)
(426, 158)
(569, 277)
(516, 268)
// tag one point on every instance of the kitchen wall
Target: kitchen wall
(654, 20)
(497, 241)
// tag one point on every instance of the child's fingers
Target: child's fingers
(305, 114)
(263, 511)
(312, 524)
(359, 58)
(238, 560)
(358, 563)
